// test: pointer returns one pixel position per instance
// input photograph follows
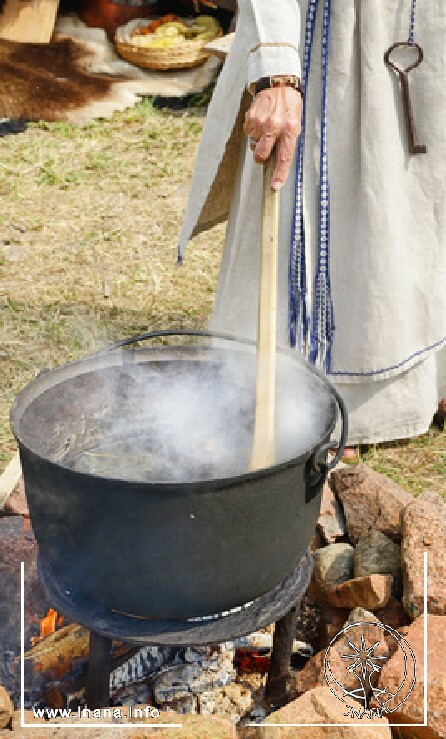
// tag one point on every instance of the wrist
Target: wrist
(265, 83)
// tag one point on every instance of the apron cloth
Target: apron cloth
(387, 245)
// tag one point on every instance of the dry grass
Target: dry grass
(94, 212)
(416, 464)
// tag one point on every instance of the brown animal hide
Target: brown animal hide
(48, 82)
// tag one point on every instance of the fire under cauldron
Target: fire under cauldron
(163, 530)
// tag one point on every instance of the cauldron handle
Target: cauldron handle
(318, 459)
(318, 463)
(180, 332)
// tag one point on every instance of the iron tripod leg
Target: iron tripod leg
(97, 691)
(279, 666)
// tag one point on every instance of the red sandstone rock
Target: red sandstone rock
(319, 706)
(424, 530)
(372, 591)
(370, 501)
(6, 708)
(393, 614)
(17, 505)
(411, 711)
(331, 520)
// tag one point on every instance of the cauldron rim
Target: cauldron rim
(66, 371)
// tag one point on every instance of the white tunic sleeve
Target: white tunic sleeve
(277, 25)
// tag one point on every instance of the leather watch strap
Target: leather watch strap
(265, 83)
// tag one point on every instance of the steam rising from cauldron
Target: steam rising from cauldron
(191, 420)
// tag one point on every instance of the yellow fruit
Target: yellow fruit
(206, 20)
(197, 28)
(163, 31)
(181, 27)
(206, 36)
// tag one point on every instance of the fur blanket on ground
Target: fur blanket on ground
(78, 77)
(48, 82)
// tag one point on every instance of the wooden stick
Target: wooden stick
(28, 22)
(263, 450)
(9, 479)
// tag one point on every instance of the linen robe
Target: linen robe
(387, 233)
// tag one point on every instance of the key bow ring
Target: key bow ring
(403, 44)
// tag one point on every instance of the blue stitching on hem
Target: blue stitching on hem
(393, 366)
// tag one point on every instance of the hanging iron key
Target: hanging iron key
(403, 74)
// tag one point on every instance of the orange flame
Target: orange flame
(48, 625)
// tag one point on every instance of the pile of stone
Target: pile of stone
(368, 568)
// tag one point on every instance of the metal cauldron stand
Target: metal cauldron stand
(279, 605)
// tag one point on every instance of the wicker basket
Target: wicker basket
(186, 55)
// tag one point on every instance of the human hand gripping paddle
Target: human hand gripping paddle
(272, 124)
(273, 121)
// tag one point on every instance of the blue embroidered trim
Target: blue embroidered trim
(322, 323)
(322, 329)
(392, 366)
(298, 321)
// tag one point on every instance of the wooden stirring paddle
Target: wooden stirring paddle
(264, 448)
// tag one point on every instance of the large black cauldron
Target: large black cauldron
(174, 543)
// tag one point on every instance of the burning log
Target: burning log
(57, 654)
(51, 662)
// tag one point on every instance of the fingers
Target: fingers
(274, 119)
(286, 146)
(258, 118)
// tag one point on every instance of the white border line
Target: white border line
(22, 644)
(425, 637)
(50, 724)
(177, 726)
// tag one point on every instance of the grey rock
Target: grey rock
(332, 565)
(376, 554)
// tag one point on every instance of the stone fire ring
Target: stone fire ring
(258, 614)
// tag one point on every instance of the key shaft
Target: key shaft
(414, 146)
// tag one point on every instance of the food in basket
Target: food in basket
(172, 31)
